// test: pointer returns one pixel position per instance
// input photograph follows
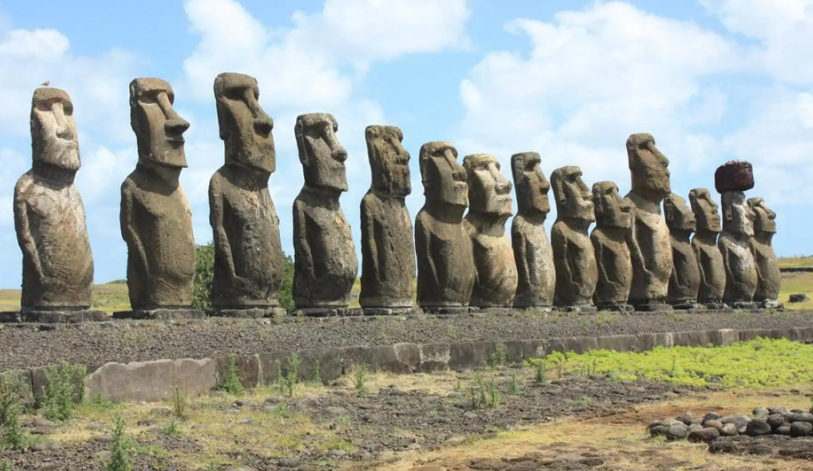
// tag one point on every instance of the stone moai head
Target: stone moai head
(389, 161)
(244, 127)
(705, 210)
(53, 130)
(531, 185)
(489, 190)
(738, 216)
(444, 179)
(610, 208)
(158, 128)
(679, 216)
(320, 152)
(648, 167)
(573, 198)
(764, 217)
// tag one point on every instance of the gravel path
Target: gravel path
(93, 344)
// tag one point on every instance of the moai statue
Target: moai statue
(446, 268)
(769, 279)
(156, 221)
(49, 218)
(532, 251)
(249, 262)
(489, 208)
(704, 243)
(609, 238)
(731, 180)
(649, 241)
(684, 283)
(387, 250)
(325, 262)
(573, 252)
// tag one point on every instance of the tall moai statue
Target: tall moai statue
(532, 251)
(609, 238)
(769, 280)
(325, 262)
(49, 218)
(489, 208)
(684, 284)
(387, 250)
(649, 241)
(573, 252)
(249, 262)
(446, 270)
(156, 221)
(704, 243)
(731, 180)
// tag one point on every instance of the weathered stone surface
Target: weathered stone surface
(735, 246)
(798, 298)
(684, 284)
(533, 256)
(650, 246)
(156, 221)
(708, 255)
(734, 175)
(489, 208)
(387, 249)
(249, 262)
(446, 268)
(62, 317)
(253, 313)
(573, 253)
(609, 238)
(246, 366)
(769, 280)
(160, 314)
(325, 262)
(152, 380)
(49, 216)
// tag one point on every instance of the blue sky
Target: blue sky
(712, 80)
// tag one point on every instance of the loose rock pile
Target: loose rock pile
(710, 427)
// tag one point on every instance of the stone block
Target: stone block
(618, 343)
(62, 317)
(329, 361)
(248, 369)
(160, 314)
(580, 344)
(435, 356)
(152, 380)
(468, 355)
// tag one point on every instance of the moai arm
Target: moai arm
(221, 239)
(700, 262)
(520, 243)
(128, 231)
(424, 247)
(302, 250)
(368, 236)
(566, 262)
(24, 237)
(635, 250)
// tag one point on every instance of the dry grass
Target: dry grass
(797, 283)
(107, 297)
(795, 262)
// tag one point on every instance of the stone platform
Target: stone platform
(160, 314)
(54, 316)
(254, 313)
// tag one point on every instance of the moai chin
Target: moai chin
(49, 218)
(532, 251)
(489, 208)
(769, 279)
(156, 221)
(684, 283)
(249, 261)
(704, 243)
(573, 252)
(649, 241)
(446, 270)
(325, 263)
(387, 249)
(609, 238)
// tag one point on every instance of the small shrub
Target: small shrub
(231, 380)
(204, 274)
(288, 377)
(171, 429)
(6, 466)
(62, 393)
(514, 388)
(360, 375)
(11, 393)
(316, 373)
(178, 403)
(484, 394)
(120, 449)
(540, 371)
(498, 357)
(13, 436)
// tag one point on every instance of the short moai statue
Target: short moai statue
(489, 208)
(609, 238)
(325, 262)
(704, 243)
(387, 249)
(649, 241)
(249, 262)
(573, 252)
(769, 280)
(731, 180)
(446, 270)
(532, 251)
(684, 284)
(49, 218)
(156, 221)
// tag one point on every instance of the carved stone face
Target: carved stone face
(320, 152)
(648, 166)
(678, 214)
(705, 210)
(611, 209)
(764, 217)
(53, 129)
(489, 191)
(573, 198)
(389, 161)
(531, 184)
(244, 127)
(444, 179)
(738, 216)
(158, 128)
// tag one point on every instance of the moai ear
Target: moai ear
(299, 132)
(727, 214)
(668, 210)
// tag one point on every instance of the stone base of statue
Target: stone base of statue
(327, 312)
(447, 310)
(579, 309)
(716, 306)
(687, 305)
(771, 304)
(251, 313)
(160, 314)
(546, 308)
(650, 306)
(54, 316)
(615, 307)
(392, 311)
(744, 305)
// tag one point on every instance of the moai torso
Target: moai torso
(652, 269)
(534, 259)
(684, 283)
(496, 281)
(609, 238)
(712, 269)
(769, 280)
(741, 269)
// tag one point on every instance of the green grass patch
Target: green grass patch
(795, 262)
